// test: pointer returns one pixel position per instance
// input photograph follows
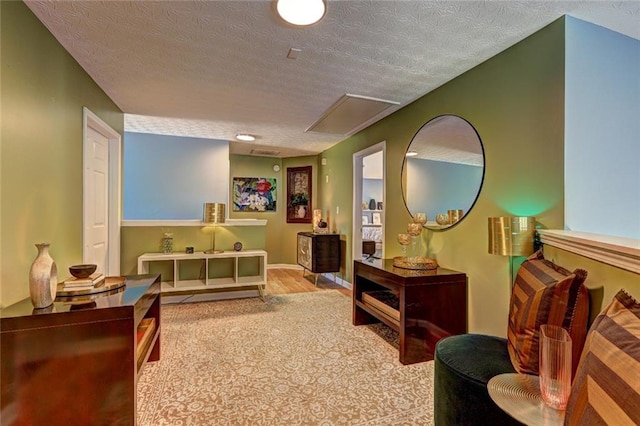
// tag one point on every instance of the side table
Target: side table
(519, 396)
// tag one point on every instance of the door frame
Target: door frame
(356, 246)
(91, 120)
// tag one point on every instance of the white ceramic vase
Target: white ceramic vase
(43, 278)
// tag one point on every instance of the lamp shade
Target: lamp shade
(214, 213)
(511, 236)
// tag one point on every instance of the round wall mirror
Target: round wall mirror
(443, 171)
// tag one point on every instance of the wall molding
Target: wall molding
(620, 252)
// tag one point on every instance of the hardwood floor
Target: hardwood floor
(285, 281)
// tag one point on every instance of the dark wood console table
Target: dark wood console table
(431, 304)
(78, 361)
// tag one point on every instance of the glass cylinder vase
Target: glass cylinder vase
(555, 366)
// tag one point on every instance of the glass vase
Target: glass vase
(555, 366)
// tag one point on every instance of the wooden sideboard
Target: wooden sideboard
(78, 361)
(319, 253)
(430, 304)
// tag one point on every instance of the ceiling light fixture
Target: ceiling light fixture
(245, 137)
(411, 154)
(301, 12)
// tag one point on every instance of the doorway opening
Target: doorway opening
(368, 202)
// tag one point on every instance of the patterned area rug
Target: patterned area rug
(295, 360)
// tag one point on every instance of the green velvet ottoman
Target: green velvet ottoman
(463, 366)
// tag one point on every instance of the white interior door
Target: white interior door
(102, 148)
(97, 201)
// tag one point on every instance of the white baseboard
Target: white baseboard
(283, 266)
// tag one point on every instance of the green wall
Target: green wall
(515, 101)
(43, 92)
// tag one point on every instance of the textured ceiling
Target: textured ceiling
(213, 69)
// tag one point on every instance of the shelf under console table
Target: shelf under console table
(233, 283)
(78, 360)
(431, 304)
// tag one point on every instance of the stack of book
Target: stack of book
(90, 282)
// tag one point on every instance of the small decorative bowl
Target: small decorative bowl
(82, 271)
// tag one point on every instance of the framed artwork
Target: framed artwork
(299, 194)
(252, 194)
(365, 219)
(376, 218)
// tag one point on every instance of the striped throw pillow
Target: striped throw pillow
(545, 293)
(606, 389)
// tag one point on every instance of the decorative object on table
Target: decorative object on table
(376, 218)
(372, 204)
(555, 366)
(43, 278)
(365, 219)
(365, 205)
(188, 250)
(414, 229)
(414, 260)
(299, 194)
(254, 194)
(379, 205)
(167, 243)
(404, 240)
(317, 217)
(214, 214)
(92, 280)
(511, 236)
(103, 285)
(237, 246)
(323, 227)
(82, 271)
(442, 219)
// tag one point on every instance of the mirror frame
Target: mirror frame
(404, 163)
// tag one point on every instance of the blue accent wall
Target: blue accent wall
(602, 131)
(170, 177)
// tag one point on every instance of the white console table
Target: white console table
(205, 283)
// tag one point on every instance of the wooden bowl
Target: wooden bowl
(82, 271)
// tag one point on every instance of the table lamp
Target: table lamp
(214, 214)
(511, 236)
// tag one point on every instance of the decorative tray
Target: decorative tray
(416, 262)
(109, 283)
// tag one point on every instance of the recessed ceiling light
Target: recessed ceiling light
(245, 137)
(411, 154)
(301, 13)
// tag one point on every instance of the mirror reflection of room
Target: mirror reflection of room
(443, 171)
(372, 205)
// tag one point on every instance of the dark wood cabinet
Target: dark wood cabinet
(78, 361)
(319, 253)
(430, 304)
